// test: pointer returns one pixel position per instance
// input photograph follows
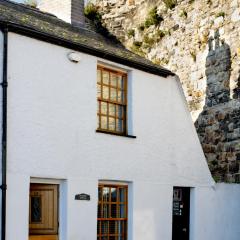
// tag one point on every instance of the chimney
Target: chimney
(77, 13)
(71, 11)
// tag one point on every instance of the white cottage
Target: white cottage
(97, 142)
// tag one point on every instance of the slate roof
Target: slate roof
(31, 22)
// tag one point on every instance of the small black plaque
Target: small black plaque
(82, 196)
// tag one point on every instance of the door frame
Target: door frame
(62, 200)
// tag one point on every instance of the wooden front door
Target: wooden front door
(181, 210)
(43, 212)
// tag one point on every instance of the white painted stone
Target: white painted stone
(218, 21)
(236, 15)
(221, 31)
(234, 3)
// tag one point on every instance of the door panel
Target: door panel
(181, 210)
(43, 212)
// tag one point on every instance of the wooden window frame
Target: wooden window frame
(118, 221)
(118, 104)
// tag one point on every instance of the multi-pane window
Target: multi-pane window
(112, 100)
(112, 212)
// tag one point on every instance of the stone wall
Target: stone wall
(199, 41)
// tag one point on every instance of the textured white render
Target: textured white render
(51, 134)
(216, 212)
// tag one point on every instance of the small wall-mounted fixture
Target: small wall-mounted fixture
(74, 57)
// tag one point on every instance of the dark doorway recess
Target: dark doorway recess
(181, 211)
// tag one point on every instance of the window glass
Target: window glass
(112, 212)
(111, 96)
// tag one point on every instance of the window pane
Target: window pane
(114, 80)
(104, 227)
(120, 97)
(111, 109)
(111, 124)
(106, 213)
(105, 194)
(122, 212)
(99, 194)
(99, 91)
(122, 194)
(106, 77)
(99, 210)
(113, 194)
(114, 211)
(99, 76)
(122, 228)
(103, 108)
(120, 82)
(105, 92)
(103, 122)
(98, 227)
(113, 227)
(119, 111)
(119, 125)
(113, 93)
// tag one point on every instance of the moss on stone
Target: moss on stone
(153, 18)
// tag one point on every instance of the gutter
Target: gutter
(4, 85)
(46, 37)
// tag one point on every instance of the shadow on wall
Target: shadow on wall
(218, 125)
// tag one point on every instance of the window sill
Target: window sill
(116, 134)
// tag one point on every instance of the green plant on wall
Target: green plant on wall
(149, 41)
(141, 27)
(183, 14)
(158, 61)
(193, 55)
(160, 34)
(220, 14)
(31, 3)
(137, 44)
(92, 13)
(209, 2)
(170, 4)
(153, 18)
(136, 47)
(131, 33)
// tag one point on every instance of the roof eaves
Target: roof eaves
(130, 59)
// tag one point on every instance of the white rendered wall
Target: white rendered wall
(51, 134)
(1, 76)
(216, 213)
